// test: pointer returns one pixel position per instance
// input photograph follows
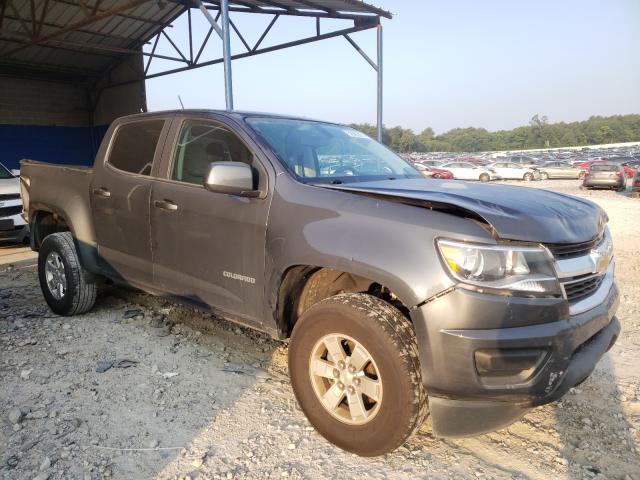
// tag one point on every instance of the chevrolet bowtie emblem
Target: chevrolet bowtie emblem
(601, 257)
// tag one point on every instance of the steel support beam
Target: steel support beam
(226, 52)
(212, 21)
(361, 52)
(274, 10)
(273, 48)
(379, 109)
(225, 35)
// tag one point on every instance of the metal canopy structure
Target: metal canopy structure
(81, 41)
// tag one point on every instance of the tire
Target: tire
(386, 337)
(544, 176)
(527, 177)
(80, 289)
(484, 177)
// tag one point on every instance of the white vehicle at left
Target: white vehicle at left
(12, 225)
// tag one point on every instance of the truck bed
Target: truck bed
(59, 189)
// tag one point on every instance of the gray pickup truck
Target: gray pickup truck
(402, 297)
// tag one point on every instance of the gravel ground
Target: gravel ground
(207, 399)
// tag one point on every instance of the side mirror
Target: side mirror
(233, 178)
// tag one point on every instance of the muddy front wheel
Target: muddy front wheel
(355, 372)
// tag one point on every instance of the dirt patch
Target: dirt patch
(206, 399)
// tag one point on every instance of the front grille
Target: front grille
(572, 250)
(9, 211)
(9, 196)
(578, 289)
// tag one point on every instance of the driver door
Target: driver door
(209, 247)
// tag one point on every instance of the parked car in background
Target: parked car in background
(586, 165)
(524, 161)
(470, 171)
(12, 225)
(423, 170)
(431, 163)
(631, 167)
(635, 185)
(605, 175)
(439, 173)
(513, 171)
(560, 170)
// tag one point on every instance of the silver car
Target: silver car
(560, 170)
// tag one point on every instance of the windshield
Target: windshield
(321, 152)
(4, 173)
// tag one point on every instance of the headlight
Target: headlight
(524, 271)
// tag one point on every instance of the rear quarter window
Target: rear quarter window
(134, 146)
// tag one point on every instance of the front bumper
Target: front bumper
(464, 401)
(12, 226)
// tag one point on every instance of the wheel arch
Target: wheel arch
(302, 286)
(46, 220)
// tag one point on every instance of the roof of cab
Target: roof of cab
(237, 114)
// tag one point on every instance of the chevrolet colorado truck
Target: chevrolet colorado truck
(401, 297)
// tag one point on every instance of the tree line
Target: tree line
(539, 133)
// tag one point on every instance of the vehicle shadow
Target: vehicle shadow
(595, 432)
(200, 368)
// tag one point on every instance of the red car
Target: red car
(438, 173)
(630, 168)
(586, 165)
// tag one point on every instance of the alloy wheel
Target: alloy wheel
(55, 275)
(345, 379)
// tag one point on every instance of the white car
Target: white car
(12, 225)
(513, 171)
(470, 171)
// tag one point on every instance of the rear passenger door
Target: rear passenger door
(209, 247)
(120, 192)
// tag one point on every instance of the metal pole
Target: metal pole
(379, 28)
(226, 49)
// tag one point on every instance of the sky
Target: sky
(447, 64)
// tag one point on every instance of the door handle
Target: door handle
(101, 192)
(167, 205)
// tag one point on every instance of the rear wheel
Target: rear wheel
(544, 176)
(527, 177)
(67, 287)
(354, 367)
(484, 177)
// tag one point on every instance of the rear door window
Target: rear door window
(134, 146)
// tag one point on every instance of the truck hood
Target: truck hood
(9, 185)
(515, 213)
